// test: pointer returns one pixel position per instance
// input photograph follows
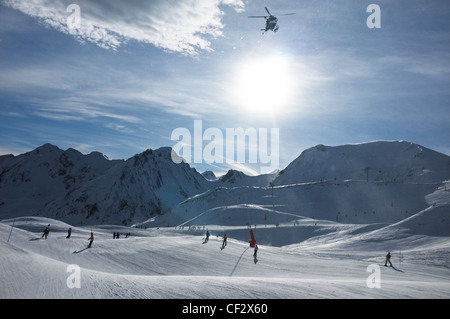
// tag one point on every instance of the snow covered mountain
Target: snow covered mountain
(377, 182)
(234, 178)
(209, 175)
(91, 189)
(380, 161)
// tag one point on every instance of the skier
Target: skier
(207, 235)
(46, 231)
(388, 259)
(69, 232)
(91, 239)
(256, 251)
(224, 243)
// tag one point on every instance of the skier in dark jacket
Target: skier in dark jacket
(224, 243)
(91, 239)
(388, 259)
(46, 231)
(69, 232)
(207, 235)
(255, 254)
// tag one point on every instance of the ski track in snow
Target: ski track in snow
(176, 264)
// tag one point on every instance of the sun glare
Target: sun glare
(263, 85)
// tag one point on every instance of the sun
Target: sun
(264, 85)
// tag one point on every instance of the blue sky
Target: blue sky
(127, 74)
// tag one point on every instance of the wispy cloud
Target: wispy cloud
(119, 127)
(434, 64)
(178, 26)
(81, 113)
(77, 94)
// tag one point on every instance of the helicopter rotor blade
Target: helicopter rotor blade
(267, 11)
(265, 17)
(286, 14)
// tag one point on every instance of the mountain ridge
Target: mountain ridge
(402, 162)
(324, 182)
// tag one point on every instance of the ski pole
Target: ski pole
(14, 220)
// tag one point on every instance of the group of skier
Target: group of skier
(69, 233)
(256, 248)
(90, 239)
(224, 242)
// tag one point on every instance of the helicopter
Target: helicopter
(271, 21)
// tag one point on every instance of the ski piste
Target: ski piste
(393, 267)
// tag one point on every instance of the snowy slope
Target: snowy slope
(311, 259)
(168, 263)
(349, 202)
